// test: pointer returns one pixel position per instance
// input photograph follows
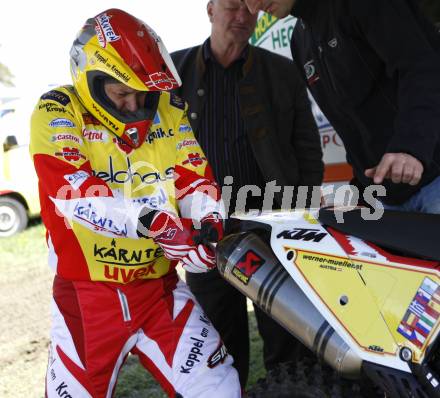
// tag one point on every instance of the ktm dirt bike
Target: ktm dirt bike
(363, 295)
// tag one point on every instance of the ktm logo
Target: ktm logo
(305, 234)
(195, 159)
(249, 263)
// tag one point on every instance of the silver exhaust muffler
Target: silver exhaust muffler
(249, 264)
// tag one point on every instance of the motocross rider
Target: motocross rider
(118, 165)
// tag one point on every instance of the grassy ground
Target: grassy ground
(25, 286)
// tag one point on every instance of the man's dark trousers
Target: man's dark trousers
(226, 307)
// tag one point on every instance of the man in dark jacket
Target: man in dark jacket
(374, 69)
(250, 112)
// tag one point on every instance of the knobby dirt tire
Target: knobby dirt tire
(310, 379)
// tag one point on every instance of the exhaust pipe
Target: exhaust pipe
(247, 263)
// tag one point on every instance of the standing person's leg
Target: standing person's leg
(226, 308)
(178, 344)
(279, 346)
(427, 200)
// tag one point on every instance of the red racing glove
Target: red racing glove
(211, 231)
(180, 241)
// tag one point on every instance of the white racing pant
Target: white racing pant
(96, 324)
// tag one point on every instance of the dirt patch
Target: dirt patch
(24, 329)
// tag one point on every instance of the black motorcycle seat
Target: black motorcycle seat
(411, 234)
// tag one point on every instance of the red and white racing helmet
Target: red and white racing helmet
(115, 44)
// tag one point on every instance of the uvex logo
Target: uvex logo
(125, 275)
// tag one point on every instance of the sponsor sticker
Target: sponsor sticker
(61, 122)
(66, 137)
(116, 260)
(63, 390)
(124, 256)
(422, 314)
(156, 119)
(195, 159)
(90, 119)
(95, 135)
(177, 101)
(100, 222)
(186, 143)
(57, 96)
(304, 234)
(122, 145)
(333, 43)
(196, 343)
(330, 263)
(248, 264)
(185, 128)
(133, 175)
(160, 81)
(120, 74)
(218, 356)
(76, 179)
(70, 154)
(104, 117)
(154, 201)
(311, 73)
(375, 348)
(52, 107)
(159, 133)
(125, 275)
(104, 30)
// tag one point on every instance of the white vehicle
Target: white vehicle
(18, 181)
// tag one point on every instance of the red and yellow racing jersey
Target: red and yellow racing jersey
(93, 186)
